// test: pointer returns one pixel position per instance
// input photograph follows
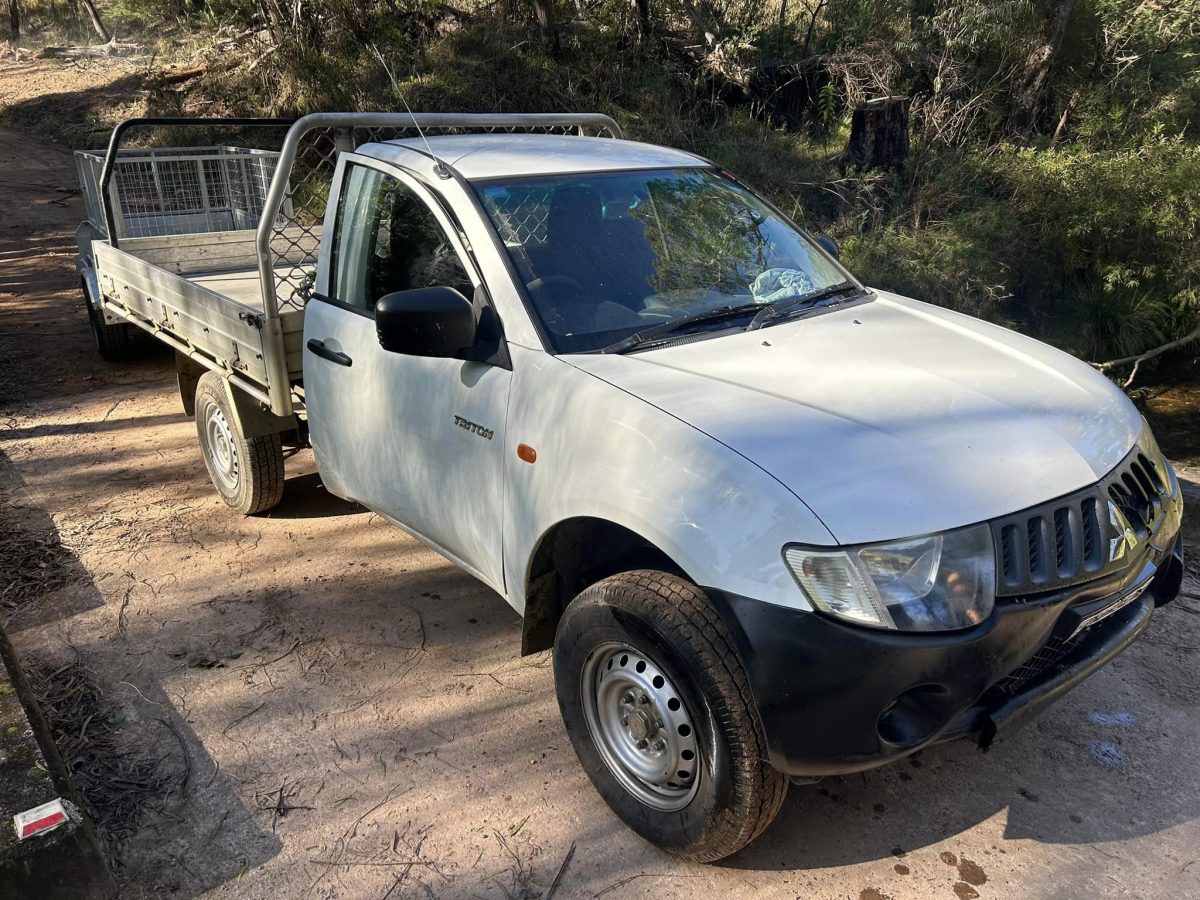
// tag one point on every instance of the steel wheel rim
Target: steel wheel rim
(222, 448)
(641, 727)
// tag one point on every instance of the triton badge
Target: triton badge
(485, 433)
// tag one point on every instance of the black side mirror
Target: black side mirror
(434, 321)
(829, 245)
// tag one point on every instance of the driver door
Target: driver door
(417, 439)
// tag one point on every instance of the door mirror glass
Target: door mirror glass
(829, 245)
(434, 321)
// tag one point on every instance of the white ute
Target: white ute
(775, 524)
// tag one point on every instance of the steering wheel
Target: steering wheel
(552, 307)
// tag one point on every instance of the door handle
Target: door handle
(334, 356)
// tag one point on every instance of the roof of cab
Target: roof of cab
(481, 156)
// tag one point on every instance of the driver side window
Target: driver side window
(388, 240)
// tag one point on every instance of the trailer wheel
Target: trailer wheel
(115, 343)
(247, 472)
(659, 710)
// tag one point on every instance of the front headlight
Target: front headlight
(935, 583)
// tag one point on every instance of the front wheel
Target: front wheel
(659, 711)
(247, 472)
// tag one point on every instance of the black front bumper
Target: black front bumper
(836, 698)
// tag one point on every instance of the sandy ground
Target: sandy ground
(345, 714)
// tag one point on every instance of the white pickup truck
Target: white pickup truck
(775, 525)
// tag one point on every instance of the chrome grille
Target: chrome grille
(1078, 537)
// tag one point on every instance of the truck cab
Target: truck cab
(775, 525)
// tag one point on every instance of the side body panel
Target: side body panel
(604, 453)
(420, 440)
(385, 433)
(210, 327)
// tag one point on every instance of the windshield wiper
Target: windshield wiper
(653, 333)
(782, 307)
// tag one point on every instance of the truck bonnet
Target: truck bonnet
(892, 418)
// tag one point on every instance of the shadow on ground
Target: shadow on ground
(154, 768)
(305, 497)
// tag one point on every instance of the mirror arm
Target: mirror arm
(490, 346)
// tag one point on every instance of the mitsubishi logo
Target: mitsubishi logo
(1125, 539)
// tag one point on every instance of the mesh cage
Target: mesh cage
(180, 190)
(521, 215)
(225, 183)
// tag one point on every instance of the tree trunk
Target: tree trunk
(97, 23)
(1030, 101)
(544, 10)
(271, 12)
(643, 18)
(879, 134)
(812, 23)
(14, 19)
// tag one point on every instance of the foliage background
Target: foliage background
(1053, 182)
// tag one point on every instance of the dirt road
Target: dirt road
(335, 711)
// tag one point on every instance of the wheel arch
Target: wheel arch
(252, 418)
(573, 554)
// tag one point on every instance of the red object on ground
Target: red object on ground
(40, 819)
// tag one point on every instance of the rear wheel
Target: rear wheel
(247, 472)
(115, 343)
(659, 711)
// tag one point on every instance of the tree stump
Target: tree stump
(879, 134)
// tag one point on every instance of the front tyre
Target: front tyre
(660, 713)
(247, 472)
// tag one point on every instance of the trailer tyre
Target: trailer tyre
(115, 343)
(247, 472)
(659, 710)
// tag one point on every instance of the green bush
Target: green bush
(1109, 239)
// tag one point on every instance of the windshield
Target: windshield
(606, 255)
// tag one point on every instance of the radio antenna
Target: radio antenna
(439, 167)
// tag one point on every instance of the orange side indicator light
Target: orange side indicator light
(525, 453)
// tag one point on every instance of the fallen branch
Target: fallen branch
(371, 862)
(269, 662)
(1140, 358)
(242, 718)
(181, 75)
(559, 874)
(1062, 123)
